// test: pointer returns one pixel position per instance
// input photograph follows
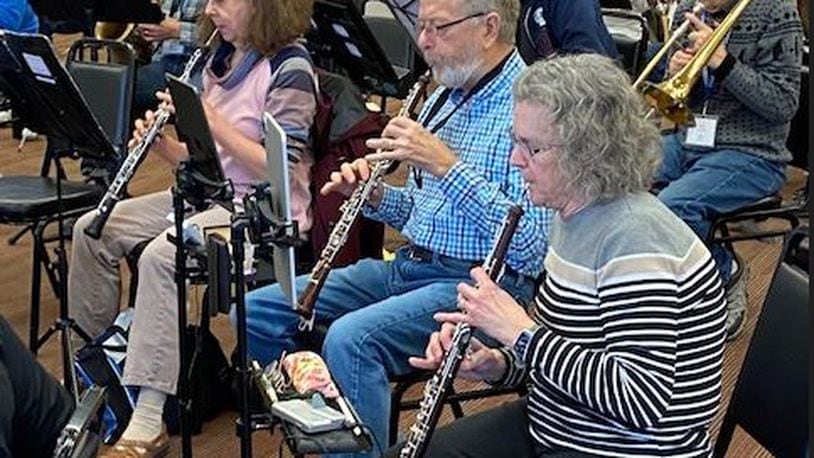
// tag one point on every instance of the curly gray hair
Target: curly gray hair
(509, 11)
(609, 149)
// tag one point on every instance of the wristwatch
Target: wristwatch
(521, 343)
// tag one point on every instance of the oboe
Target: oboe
(349, 213)
(437, 387)
(136, 154)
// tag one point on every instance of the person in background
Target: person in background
(743, 105)
(18, 16)
(240, 86)
(549, 27)
(175, 38)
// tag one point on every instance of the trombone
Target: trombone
(669, 98)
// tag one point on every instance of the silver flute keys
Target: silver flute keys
(437, 387)
(136, 154)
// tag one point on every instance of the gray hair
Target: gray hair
(509, 11)
(608, 148)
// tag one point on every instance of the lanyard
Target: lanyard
(709, 78)
(442, 99)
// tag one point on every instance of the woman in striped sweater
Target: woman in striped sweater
(623, 345)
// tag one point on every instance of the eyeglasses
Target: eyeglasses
(435, 29)
(527, 149)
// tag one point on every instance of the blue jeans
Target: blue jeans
(380, 313)
(703, 184)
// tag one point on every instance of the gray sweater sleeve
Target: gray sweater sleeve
(771, 88)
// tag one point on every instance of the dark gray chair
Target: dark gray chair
(630, 34)
(31, 200)
(770, 401)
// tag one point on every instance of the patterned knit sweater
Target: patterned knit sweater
(756, 96)
(627, 361)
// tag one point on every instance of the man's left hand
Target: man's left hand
(408, 141)
(168, 28)
(489, 308)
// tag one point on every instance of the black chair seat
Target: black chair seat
(28, 198)
(766, 203)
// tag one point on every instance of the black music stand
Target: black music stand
(342, 36)
(55, 107)
(200, 181)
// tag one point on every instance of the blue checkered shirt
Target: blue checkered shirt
(188, 12)
(460, 214)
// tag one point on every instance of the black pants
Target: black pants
(33, 406)
(502, 431)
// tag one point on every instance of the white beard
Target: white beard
(456, 72)
(456, 77)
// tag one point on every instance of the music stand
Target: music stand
(54, 106)
(200, 181)
(342, 31)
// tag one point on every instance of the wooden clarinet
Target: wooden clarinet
(436, 388)
(349, 213)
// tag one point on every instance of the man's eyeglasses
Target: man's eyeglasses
(522, 145)
(434, 29)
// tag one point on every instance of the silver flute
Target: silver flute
(436, 388)
(349, 213)
(136, 154)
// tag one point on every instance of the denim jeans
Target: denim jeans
(703, 184)
(380, 313)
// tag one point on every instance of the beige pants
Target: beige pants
(94, 284)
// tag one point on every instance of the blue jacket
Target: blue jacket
(17, 15)
(574, 26)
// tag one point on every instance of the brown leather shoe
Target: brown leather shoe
(157, 448)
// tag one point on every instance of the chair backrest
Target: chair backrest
(797, 141)
(392, 37)
(104, 70)
(630, 35)
(770, 401)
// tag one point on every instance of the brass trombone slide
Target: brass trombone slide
(675, 36)
(670, 97)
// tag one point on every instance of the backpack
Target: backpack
(341, 126)
(101, 363)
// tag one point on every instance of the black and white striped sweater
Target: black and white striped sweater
(627, 361)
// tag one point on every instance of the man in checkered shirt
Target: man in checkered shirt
(462, 185)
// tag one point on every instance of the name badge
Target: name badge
(703, 133)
